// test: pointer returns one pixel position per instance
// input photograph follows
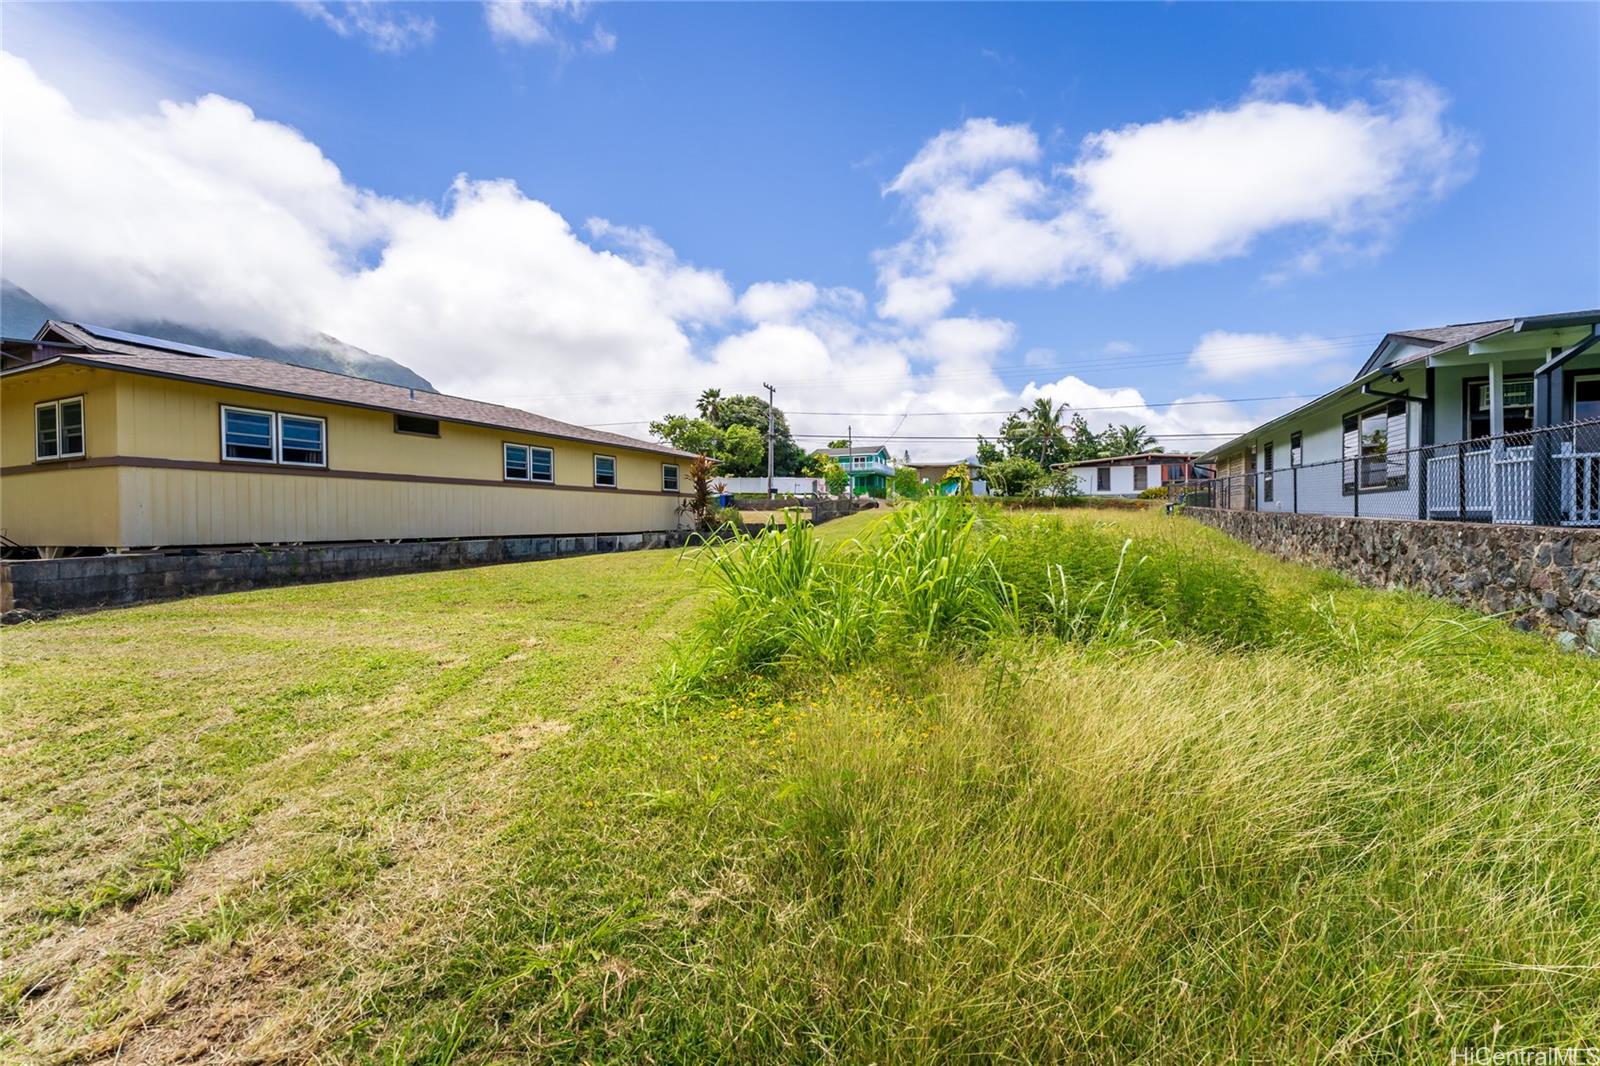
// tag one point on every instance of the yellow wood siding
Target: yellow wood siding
(98, 389)
(137, 417)
(164, 507)
(63, 507)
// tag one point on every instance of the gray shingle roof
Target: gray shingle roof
(1440, 337)
(265, 375)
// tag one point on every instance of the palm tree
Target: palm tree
(1043, 421)
(1130, 440)
(709, 404)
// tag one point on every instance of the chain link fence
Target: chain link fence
(1533, 477)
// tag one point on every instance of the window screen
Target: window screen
(300, 441)
(247, 435)
(541, 464)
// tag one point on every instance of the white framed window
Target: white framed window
(302, 440)
(605, 471)
(269, 437)
(58, 429)
(249, 436)
(541, 464)
(669, 477)
(529, 462)
(516, 462)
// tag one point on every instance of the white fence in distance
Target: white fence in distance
(785, 486)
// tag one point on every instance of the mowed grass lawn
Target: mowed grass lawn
(449, 817)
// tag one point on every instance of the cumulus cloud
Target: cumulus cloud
(980, 144)
(1193, 422)
(1227, 356)
(777, 301)
(545, 22)
(383, 27)
(1203, 186)
(218, 217)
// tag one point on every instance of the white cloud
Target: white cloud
(1227, 356)
(1200, 187)
(384, 27)
(544, 22)
(777, 301)
(962, 341)
(1176, 425)
(217, 217)
(980, 144)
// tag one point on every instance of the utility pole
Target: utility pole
(772, 424)
(850, 459)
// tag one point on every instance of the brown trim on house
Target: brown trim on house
(437, 423)
(91, 363)
(149, 462)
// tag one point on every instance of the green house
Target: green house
(869, 469)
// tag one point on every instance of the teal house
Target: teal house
(869, 469)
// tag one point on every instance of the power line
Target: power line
(1134, 361)
(976, 436)
(954, 414)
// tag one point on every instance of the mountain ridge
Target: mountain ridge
(22, 313)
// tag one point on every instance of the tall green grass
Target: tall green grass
(923, 580)
(942, 576)
(1066, 572)
(1176, 856)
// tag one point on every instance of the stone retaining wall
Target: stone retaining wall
(1546, 577)
(44, 586)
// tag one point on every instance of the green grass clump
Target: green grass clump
(1080, 576)
(923, 579)
(940, 576)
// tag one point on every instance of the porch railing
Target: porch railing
(1549, 476)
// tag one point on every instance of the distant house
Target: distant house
(1494, 421)
(934, 476)
(1129, 475)
(112, 440)
(868, 467)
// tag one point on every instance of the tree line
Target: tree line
(733, 431)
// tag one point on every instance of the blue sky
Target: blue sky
(731, 145)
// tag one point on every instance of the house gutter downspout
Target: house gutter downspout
(1549, 400)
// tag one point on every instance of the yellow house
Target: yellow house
(108, 440)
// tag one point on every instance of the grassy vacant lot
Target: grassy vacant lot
(462, 817)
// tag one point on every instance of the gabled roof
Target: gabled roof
(860, 449)
(1433, 339)
(230, 370)
(1438, 340)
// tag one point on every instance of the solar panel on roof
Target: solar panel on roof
(156, 342)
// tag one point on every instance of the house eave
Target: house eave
(1347, 389)
(91, 363)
